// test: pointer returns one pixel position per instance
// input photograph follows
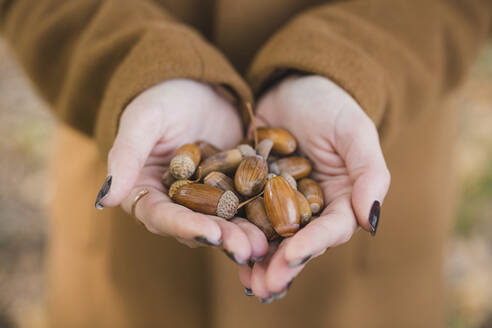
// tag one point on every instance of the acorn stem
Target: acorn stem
(246, 202)
(253, 122)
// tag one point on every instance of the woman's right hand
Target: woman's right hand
(152, 127)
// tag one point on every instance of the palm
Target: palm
(152, 127)
(342, 144)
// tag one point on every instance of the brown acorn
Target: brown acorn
(226, 161)
(206, 149)
(255, 212)
(251, 176)
(304, 209)
(167, 178)
(185, 162)
(264, 147)
(313, 193)
(281, 206)
(298, 167)
(283, 142)
(175, 186)
(290, 179)
(219, 180)
(208, 200)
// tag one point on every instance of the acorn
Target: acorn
(283, 142)
(185, 162)
(281, 206)
(175, 186)
(206, 149)
(313, 193)
(226, 161)
(208, 200)
(298, 167)
(304, 208)
(264, 147)
(290, 179)
(219, 180)
(167, 178)
(255, 212)
(251, 176)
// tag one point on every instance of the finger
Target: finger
(258, 282)
(279, 274)
(367, 168)
(137, 135)
(161, 216)
(257, 239)
(335, 226)
(234, 241)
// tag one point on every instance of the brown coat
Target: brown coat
(397, 58)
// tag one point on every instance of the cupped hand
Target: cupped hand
(342, 143)
(152, 127)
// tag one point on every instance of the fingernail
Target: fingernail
(251, 264)
(233, 257)
(205, 241)
(248, 291)
(277, 296)
(299, 262)
(103, 192)
(266, 300)
(374, 217)
(257, 258)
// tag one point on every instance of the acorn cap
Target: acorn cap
(246, 150)
(175, 186)
(227, 206)
(182, 167)
(264, 147)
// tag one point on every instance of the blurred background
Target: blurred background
(26, 136)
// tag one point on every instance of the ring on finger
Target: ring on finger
(139, 196)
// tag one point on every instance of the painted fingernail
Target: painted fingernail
(103, 192)
(299, 262)
(277, 296)
(374, 217)
(248, 291)
(257, 258)
(251, 264)
(266, 300)
(205, 241)
(233, 257)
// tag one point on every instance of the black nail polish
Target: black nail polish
(205, 241)
(103, 192)
(300, 262)
(248, 291)
(277, 296)
(257, 259)
(232, 257)
(251, 264)
(374, 217)
(266, 300)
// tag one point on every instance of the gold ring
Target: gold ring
(139, 196)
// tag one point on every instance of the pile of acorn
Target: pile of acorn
(273, 189)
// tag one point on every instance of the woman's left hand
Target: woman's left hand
(343, 144)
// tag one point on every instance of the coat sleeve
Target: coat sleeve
(395, 57)
(90, 58)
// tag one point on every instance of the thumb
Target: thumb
(137, 135)
(368, 171)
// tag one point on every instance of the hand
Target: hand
(152, 127)
(343, 145)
